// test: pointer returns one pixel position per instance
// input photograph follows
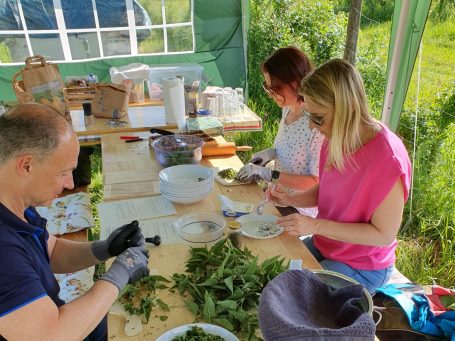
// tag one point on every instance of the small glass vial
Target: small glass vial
(234, 233)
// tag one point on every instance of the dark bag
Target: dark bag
(393, 324)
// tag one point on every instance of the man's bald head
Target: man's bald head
(31, 128)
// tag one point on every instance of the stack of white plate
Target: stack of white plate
(185, 184)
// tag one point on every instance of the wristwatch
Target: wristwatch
(275, 176)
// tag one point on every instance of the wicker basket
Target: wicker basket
(19, 89)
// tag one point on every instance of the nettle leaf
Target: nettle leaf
(227, 305)
(209, 282)
(193, 307)
(162, 305)
(225, 323)
(209, 307)
(223, 264)
(239, 315)
(229, 283)
(236, 295)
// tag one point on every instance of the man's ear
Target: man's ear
(24, 164)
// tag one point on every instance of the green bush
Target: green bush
(373, 71)
(312, 26)
(437, 204)
(373, 11)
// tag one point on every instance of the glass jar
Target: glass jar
(234, 233)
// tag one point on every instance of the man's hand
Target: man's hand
(263, 157)
(119, 240)
(129, 267)
(250, 173)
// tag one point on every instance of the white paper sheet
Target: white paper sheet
(115, 214)
(162, 227)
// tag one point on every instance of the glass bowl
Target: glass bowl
(175, 150)
(200, 227)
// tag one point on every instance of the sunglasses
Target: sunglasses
(269, 90)
(313, 118)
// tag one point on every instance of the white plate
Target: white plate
(252, 223)
(185, 193)
(182, 200)
(209, 328)
(188, 186)
(186, 175)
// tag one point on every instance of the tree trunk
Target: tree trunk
(350, 48)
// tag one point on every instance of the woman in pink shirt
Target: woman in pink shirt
(364, 179)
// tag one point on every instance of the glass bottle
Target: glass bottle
(234, 233)
(88, 116)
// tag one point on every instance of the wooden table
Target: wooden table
(152, 115)
(138, 118)
(131, 171)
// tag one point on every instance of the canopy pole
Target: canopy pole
(395, 62)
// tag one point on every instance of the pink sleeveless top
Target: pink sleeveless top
(354, 194)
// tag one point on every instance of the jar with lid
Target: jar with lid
(234, 233)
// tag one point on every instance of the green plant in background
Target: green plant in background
(312, 26)
(5, 56)
(96, 190)
(178, 38)
(96, 196)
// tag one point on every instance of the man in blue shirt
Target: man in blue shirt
(38, 152)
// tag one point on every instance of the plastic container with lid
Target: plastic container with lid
(189, 71)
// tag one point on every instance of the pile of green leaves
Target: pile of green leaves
(139, 298)
(225, 284)
(228, 174)
(197, 334)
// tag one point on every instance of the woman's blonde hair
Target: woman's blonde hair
(336, 84)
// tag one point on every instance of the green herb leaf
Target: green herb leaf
(193, 307)
(209, 307)
(229, 283)
(225, 323)
(227, 305)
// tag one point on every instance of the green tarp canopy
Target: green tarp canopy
(408, 23)
(220, 48)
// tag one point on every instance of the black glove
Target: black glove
(119, 240)
(129, 267)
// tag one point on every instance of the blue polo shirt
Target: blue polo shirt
(25, 271)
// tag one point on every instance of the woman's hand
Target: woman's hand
(279, 195)
(298, 225)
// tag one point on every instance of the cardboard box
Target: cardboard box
(110, 101)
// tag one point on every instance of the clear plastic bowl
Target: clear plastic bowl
(200, 227)
(175, 150)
